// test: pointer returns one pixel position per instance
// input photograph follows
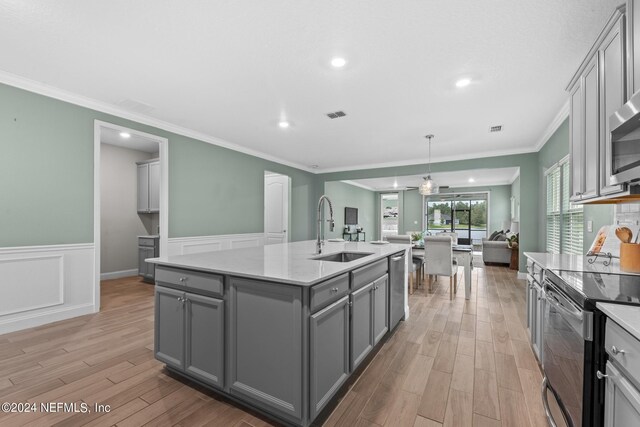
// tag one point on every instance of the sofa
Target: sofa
(496, 251)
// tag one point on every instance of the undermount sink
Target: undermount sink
(343, 256)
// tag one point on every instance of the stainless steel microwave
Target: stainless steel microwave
(623, 149)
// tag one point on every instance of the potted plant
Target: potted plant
(514, 240)
(417, 239)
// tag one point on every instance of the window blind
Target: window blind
(564, 219)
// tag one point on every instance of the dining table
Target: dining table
(464, 256)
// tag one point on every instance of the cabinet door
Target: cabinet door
(145, 269)
(612, 97)
(265, 345)
(329, 353)
(381, 308)
(169, 327)
(154, 187)
(633, 24)
(576, 145)
(591, 138)
(143, 188)
(361, 324)
(533, 331)
(622, 400)
(539, 328)
(204, 339)
(530, 310)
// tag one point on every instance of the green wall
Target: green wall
(46, 178)
(346, 195)
(529, 181)
(554, 150)
(515, 193)
(499, 206)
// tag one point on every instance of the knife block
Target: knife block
(630, 257)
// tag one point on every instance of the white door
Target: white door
(276, 208)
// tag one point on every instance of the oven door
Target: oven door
(566, 329)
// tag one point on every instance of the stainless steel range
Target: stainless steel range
(574, 340)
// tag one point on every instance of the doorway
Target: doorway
(389, 215)
(277, 190)
(119, 153)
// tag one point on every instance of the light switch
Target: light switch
(590, 226)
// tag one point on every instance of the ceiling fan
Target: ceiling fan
(416, 188)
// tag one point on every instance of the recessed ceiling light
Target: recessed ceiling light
(283, 124)
(125, 135)
(463, 82)
(338, 62)
(472, 180)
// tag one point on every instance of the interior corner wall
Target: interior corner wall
(346, 195)
(515, 193)
(554, 150)
(120, 223)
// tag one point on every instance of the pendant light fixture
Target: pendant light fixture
(428, 186)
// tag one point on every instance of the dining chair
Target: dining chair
(453, 236)
(416, 261)
(439, 261)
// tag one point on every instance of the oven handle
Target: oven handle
(545, 402)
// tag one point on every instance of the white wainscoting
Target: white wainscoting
(197, 244)
(43, 284)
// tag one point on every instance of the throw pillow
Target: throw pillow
(501, 237)
(493, 235)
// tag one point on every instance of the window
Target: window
(564, 219)
(464, 214)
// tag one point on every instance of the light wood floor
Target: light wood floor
(456, 363)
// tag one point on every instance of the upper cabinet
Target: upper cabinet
(596, 91)
(633, 47)
(149, 187)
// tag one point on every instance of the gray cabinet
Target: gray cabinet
(576, 148)
(265, 345)
(622, 400)
(535, 307)
(362, 307)
(148, 247)
(204, 339)
(189, 334)
(149, 187)
(633, 47)
(590, 94)
(169, 327)
(381, 308)
(329, 353)
(612, 97)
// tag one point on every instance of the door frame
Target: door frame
(163, 150)
(487, 192)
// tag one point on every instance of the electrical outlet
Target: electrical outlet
(590, 226)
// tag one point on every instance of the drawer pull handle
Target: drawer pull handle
(334, 289)
(183, 279)
(616, 350)
(600, 375)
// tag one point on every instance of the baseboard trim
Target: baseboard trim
(119, 274)
(522, 275)
(44, 317)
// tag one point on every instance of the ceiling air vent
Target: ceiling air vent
(495, 128)
(336, 114)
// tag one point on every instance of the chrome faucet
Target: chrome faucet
(320, 241)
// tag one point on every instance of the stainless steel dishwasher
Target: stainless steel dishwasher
(396, 291)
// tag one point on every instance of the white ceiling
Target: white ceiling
(134, 142)
(231, 70)
(456, 179)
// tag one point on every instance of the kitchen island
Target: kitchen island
(278, 328)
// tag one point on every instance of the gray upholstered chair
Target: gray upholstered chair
(438, 254)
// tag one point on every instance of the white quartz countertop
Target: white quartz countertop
(627, 316)
(574, 263)
(290, 263)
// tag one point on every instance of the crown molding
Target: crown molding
(559, 118)
(83, 101)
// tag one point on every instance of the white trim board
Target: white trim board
(553, 126)
(198, 244)
(46, 284)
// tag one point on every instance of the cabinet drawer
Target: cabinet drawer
(368, 273)
(146, 241)
(211, 284)
(627, 348)
(329, 291)
(535, 271)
